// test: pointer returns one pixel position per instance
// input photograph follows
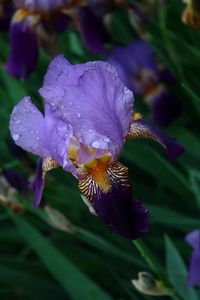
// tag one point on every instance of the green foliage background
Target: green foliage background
(40, 262)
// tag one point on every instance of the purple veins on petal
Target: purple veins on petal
(116, 207)
(193, 238)
(93, 97)
(23, 54)
(141, 128)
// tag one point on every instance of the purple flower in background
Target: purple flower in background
(140, 72)
(88, 116)
(39, 22)
(193, 238)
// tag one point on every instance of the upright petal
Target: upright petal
(144, 129)
(117, 208)
(27, 128)
(96, 104)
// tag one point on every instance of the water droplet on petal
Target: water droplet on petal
(15, 136)
(95, 144)
(78, 115)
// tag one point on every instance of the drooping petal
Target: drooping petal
(92, 31)
(95, 103)
(143, 129)
(27, 128)
(23, 54)
(37, 185)
(117, 208)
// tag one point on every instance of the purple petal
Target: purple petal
(92, 30)
(37, 185)
(41, 5)
(144, 129)
(165, 108)
(131, 60)
(93, 100)
(27, 128)
(58, 135)
(117, 208)
(23, 49)
(194, 272)
(193, 238)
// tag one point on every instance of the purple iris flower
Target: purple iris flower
(140, 72)
(193, 238)
(39, 21)
(88, 116)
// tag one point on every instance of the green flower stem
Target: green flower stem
(155, 267)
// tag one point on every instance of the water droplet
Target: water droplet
(15, 136)
(78, 115)
(95, 144)
(106, 139)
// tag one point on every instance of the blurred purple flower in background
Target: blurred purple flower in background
(6, 10)
(193, 238)
(88, 116)
(39, 22)
(140, 72)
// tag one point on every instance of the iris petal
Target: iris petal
(144, 129)
(117, 208)
(24, 49)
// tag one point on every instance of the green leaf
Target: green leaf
(177, 272)
(74, 282)
(195, 185)
(22, 275)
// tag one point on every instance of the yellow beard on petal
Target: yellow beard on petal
(97, 168)
(20, 15)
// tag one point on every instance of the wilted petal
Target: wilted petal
(27, 128)
(23, 49)
(144, 129)
(117, 208)
(92, 30)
